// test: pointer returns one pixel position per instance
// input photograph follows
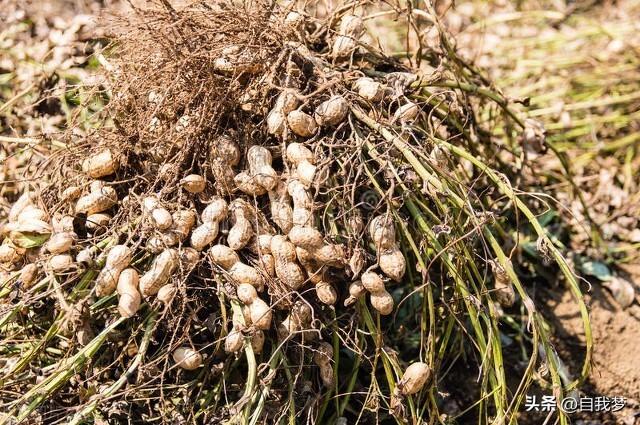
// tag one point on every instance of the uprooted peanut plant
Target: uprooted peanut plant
(275, 222)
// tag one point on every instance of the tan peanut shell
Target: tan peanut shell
(369, 89)
(248, 184)
(276, 121)
(215, 211)
(183, 222)
(326, 293)
(150, 203)
(356, 290)
(406, 113)
(257, 341)
(351, 25)
(393, 264)
(129, 298)
(233, 341)
(382, 302)
(414, 378)
(302, 124)
(241, 232)
(330, 255)
(223, 256)
(280, 207)
(204, 235)
(71, 193)
(161, 218)
(382, 232)
(97, 185)
(28, 275)
(372, 282)
(243, 273)
(297, 153)
(118, 259)
(159, 272)
(306, 237)
(246, 293)
(96, 202)
(166, 293)
(259, 159)
(322, 357)
(226, 149)
(287, 101)
(343, 46)
(8, 254)
(30, 213)
(60, 242)
(101, 164)
(287, 269)
(187, 358)
(332, 112)
(268, 263)
(27, 198)
(193, 183)
(62, 223)
(97, 222)
(60, 263)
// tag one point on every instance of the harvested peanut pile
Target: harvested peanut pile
(275, 221)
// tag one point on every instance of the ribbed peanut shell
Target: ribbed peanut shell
(332, 112)
(28, 275)
(60, 242)
(259, 159)
(183, 222)
(302, 124)
(166, 293)
(406, 113)
(129, 298)
(101, 164)
(343, 46)
(215, 211)
(382, 302)
(159, 273)
(248, 184)
(60, 263)
(351, 25)
(326, 293)
(8, 254)
(97, 222)
(194, 183)
(330, 255)
(306, 237)
(369, 89)
(261, 314)
(97, 202)
(187, 358)
(415, 377)
(204, 235)
(297, 153)
(27, 198)
(382, 231)
(117, 260)
(240, 233)
(243, 273)
(393, 264)
(30, 213)
(257, 341)
(223, 256)
(233, 341)
(161, 218)
(372, 282)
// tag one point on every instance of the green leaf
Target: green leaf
(28, 240)
(596, 269)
